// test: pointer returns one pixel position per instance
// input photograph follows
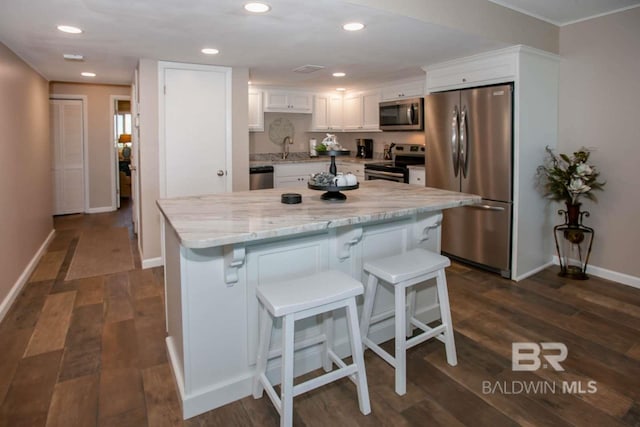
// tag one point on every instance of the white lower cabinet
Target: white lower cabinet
(417, 176)
(296, 174)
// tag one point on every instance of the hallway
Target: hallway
(91, 352)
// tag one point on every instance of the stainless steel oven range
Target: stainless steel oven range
(403, 155)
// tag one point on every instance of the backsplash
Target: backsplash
(260, 144)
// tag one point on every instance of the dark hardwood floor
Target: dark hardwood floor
(91, 352)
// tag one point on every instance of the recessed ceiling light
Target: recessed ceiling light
(210, 51)
(353, 26)
(73, 57)
(88, 74)
(69, 29)
(339, 74)
(257, 7)
(341, 89)
(249, 82)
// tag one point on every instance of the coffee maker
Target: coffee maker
(364, 148)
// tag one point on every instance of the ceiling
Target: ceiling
(563, 12)
(294, 33)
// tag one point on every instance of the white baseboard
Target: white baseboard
(532, 272)
(152, 262)
(614, 276)
(101, 210)
(17, 287)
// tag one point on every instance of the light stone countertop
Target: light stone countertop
(245, 216)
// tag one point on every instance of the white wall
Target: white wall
(600, 109)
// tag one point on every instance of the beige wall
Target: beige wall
(99, 125)
(481, 18)
(599, 108)
(25, 167)
(149, 234)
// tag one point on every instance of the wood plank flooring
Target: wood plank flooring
(91, 352)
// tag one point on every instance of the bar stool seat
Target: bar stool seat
(297, 299)
(402, 272)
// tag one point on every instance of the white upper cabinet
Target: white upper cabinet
(371, 110)
(403, 90)
(280, 101)
(352, 112)
(352, 118)
(256, 111)
(327, 112)
(476, 70)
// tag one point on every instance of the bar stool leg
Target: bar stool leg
(411, 312)
(401, 340)
(327, 326)
(358, 359)
(445, 314)
(266, 325)
(367, 307)
(286, 383)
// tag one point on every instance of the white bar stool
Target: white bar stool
(402, 272)
(298, 299)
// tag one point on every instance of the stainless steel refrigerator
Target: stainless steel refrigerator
(469, 139)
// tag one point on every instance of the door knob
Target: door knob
(220, 172)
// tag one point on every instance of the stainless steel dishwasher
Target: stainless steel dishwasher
(260, 177)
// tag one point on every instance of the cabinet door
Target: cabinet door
(300, 102)
(276, 100)
(335, 112)
(352, 117)
(320, 117)
(371, 111)
(256, 113)
(403, 90)
(417, 176)
(291, 181)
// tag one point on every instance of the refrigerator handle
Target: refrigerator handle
(464, 143)
(454, 141)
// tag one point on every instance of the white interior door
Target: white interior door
(196, 112)
(67, 130)
(135, 133)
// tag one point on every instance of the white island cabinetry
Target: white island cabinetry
(220, 248)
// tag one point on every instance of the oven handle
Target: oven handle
(391, 174)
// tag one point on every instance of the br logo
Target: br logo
(529, 356)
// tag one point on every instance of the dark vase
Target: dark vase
(573, 213)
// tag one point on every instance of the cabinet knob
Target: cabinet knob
(464, 80)
(220, 172)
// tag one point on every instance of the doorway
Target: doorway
(122, 144)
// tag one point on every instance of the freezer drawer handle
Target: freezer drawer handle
(488, 207)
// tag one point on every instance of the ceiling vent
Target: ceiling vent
(73, 57)
(306, 69)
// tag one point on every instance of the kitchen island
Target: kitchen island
(219, 248)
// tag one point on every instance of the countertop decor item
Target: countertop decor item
(333, 191)
(565, 178)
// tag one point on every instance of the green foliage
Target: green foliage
(567, 178)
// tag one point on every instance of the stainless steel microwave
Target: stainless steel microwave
(403, 114)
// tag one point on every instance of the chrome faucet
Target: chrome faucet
(285, 147)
